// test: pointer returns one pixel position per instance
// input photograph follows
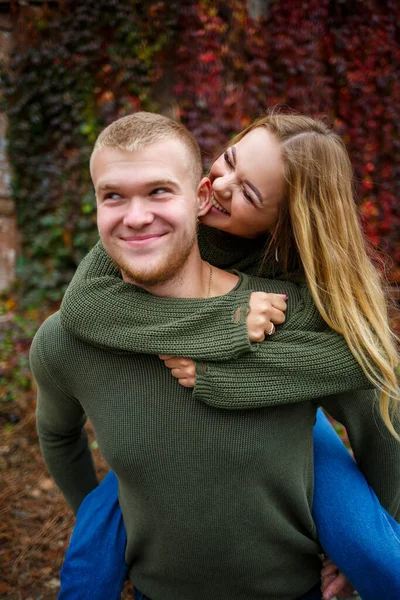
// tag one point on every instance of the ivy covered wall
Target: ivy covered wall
(80, 65)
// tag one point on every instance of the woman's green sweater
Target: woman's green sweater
(305, 359)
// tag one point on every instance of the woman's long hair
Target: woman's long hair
(318, 230)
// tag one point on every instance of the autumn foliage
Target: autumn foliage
(82, 65)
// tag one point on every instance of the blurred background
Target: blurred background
(70, 67)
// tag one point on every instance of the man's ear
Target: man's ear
(204, 197)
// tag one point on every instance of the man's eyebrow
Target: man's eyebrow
(250, 185)
(103, 187)
(113, 185)
(161, 182)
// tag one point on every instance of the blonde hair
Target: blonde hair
(318, 230)
(141, 129)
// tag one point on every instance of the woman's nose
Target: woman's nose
(223, 185)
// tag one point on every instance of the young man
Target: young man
(146, 171)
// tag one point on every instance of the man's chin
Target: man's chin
(156, 270)
(145, 280)
(150, 275)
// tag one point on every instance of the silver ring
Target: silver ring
(272, 330)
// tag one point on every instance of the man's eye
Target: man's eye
(159, 191)
(227, 160)
(112, 196)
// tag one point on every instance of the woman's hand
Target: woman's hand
(334, 583)
(266, 311)
(184, 369)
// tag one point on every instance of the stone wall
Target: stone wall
(8, 233)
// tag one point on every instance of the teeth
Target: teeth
(217, 205)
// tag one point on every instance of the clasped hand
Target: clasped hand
(266, 311)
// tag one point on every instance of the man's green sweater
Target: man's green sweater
(216, 501)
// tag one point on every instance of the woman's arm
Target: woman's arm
(294, 365)
(304, 359)
(98, 304)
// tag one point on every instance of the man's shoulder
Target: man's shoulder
(51, 329)
(52, 343)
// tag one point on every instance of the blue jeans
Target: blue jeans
(94, 565)
(358, 534)
(361, 538)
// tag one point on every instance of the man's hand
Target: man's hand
(334, 583)
(266, 311)
(184, 369)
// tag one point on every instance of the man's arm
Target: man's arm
(60, 425)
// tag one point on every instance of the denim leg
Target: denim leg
(360, 536)
(94, 565)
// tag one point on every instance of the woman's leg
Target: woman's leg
(360, 537)
(94, 565)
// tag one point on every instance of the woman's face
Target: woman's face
(247, 186)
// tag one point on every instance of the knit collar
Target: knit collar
(230, 251)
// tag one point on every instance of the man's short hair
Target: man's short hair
(141, 129)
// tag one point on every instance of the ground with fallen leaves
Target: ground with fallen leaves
(35, 522)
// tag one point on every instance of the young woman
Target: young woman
(284, 185)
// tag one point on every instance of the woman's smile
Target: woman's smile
(218, 208)
(247, 186)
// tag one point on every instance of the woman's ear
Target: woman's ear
(204, 197)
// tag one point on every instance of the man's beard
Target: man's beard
(166, 267)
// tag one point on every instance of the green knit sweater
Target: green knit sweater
(216, 503)
(302, 360)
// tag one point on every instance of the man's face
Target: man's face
(147, 209)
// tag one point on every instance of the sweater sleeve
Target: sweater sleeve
(101, 309)
(376, 451)
(303, 360)
(60, 425)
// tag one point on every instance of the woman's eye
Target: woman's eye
(227, 160)
(247, 196)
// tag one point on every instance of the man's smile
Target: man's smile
(143, 239)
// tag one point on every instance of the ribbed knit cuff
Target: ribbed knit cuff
(202, 388)
(237, 332)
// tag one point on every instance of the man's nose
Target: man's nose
(139, 213)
